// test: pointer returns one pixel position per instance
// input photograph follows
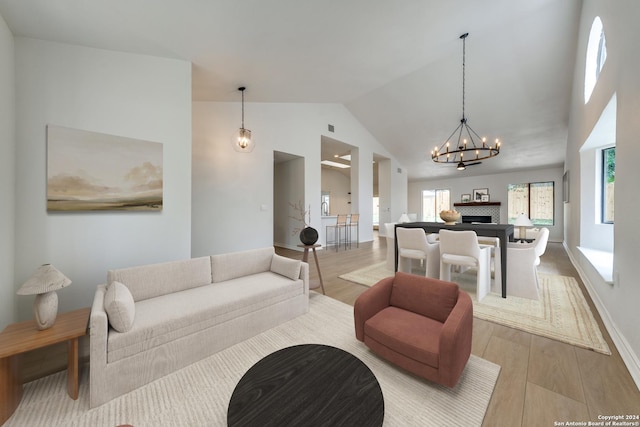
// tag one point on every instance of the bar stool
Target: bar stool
(338, 228)
(353, 222)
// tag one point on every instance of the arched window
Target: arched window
(596, 56)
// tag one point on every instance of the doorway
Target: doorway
(288, 193)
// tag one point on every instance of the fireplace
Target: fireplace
(468, 219)
(484, 212)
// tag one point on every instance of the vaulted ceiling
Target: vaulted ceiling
(396, 65)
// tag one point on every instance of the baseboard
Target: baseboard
(627, 354)
(286, 246)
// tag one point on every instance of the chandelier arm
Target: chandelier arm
(452, 133)
(469, 128)
(463, 124)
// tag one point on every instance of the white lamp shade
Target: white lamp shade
(404, 218)
(523, 221)
(45, 279)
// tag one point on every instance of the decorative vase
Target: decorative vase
(308, 236)
(450, 217)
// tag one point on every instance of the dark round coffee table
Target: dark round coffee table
(307, 385)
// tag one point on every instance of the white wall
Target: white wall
(230, 188)
(7, 174)
(110, 92)
(497, 185)
(617, 303)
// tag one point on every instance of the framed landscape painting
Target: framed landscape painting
(90, 171)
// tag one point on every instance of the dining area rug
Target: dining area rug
(562, 313)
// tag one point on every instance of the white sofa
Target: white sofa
(184, 311)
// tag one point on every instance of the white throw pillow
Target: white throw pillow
(286, 267)
(120, 307)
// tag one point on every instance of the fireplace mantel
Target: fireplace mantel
(478, 204)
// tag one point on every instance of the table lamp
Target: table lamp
(404, 218)
(523, 222)
(44, 283)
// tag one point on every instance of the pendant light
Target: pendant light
(242, 141)
(468, 148)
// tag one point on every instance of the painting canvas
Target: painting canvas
(90, 171)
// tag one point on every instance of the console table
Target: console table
(504, 232)
(21, 337)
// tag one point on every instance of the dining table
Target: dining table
(504, 232)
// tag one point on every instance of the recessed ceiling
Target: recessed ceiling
(396, 65)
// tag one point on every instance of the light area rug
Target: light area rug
(562, 313)
(199, 394)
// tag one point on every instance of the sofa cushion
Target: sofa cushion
(286, 267)
(148, 281)
(169, 317)
(239, 264)
(120, 307)
(407, 333)
(428, 297)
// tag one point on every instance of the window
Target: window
(434, 201)
(596, 57)
(534, 199)
(608, 181)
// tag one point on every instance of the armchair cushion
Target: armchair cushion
(431, 298)
(411, 334)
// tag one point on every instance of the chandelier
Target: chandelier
(468, 148)
(242, 141)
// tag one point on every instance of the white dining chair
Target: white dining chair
(496, 260)
(522, 262)
(461, 248)
(415, 244)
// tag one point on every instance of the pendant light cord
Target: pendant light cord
(242, 89)
(242, 108)
(464, 43)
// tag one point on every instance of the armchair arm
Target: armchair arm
(455, 339)
(370, 302)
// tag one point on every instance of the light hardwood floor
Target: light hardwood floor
(541, 381)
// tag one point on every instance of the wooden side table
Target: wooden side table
(305, 258)
(21, 337)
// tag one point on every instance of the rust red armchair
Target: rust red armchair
(421, 324)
